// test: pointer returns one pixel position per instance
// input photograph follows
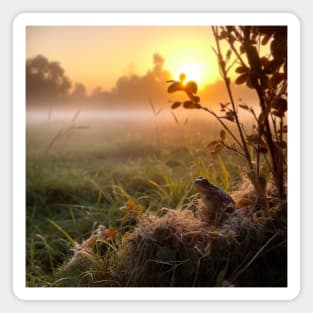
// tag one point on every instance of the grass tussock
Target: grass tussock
(175, 248)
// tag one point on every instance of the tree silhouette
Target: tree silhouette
(45, 80)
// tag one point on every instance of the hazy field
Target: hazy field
(82, 167)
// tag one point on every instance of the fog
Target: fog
(48, 87)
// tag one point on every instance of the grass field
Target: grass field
(81, 172)
(83, 168)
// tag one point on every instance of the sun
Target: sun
(193, 71)
(198, 64)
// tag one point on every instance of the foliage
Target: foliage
(45, 80)
(267, 75)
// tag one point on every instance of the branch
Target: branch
(227, 83)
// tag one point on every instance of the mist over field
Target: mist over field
(148, 168)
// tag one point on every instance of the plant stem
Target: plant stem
(231, 98)
(224, 125)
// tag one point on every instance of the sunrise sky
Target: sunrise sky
(98, 56)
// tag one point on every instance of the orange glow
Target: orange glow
(99, 56)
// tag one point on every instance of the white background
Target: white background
(8, 301)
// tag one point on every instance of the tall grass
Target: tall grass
(73, 189)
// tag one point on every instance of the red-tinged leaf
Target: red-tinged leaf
(139, 208)
(241, 79)
(131, 203)
(111, 232)
(127, 236)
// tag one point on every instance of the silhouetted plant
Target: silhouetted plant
(267, 75)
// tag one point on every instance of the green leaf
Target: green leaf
(61, 230)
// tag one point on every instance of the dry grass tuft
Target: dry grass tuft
(174, 248)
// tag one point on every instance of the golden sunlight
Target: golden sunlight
(202, 71)
(192, 71)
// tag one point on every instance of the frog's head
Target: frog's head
(202, 184)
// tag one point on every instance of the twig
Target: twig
(227, 83)
(224, 125)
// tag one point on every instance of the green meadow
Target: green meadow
(82, 170)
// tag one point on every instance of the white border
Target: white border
(148, 19)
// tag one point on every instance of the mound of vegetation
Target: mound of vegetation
(175, 248)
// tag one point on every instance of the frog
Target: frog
(217, 203)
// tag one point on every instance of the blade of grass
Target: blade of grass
(61, 230)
